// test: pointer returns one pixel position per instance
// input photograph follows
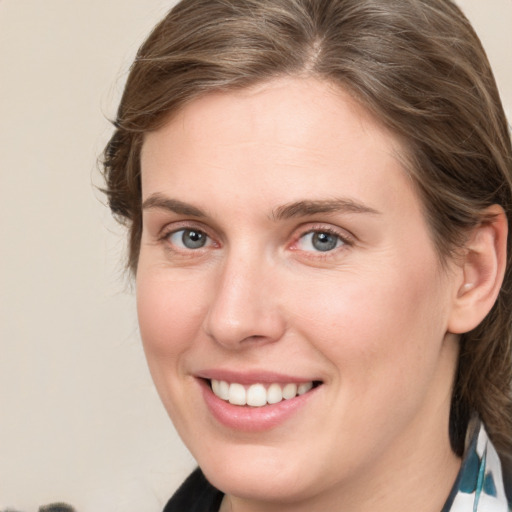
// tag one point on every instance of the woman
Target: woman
(318, 194)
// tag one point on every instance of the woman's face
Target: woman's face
(283, 244)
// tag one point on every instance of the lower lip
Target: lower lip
(253, 419)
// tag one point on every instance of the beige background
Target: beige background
(79, 419)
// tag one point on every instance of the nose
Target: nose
(244, 309)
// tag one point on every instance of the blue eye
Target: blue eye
(322, 241)
(189, 238)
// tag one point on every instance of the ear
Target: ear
(481, 272)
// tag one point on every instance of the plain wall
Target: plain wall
(79, 418)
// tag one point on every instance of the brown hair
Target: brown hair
(417, 65)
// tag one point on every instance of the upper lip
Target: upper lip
(252, 377)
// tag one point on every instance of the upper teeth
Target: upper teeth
(257, 395)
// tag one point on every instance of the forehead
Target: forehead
(264, 110)
(280, 139)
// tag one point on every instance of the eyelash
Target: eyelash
(346, 240)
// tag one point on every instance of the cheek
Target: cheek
(170, 316)
(376, 324)
(170, 313)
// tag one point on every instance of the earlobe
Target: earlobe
(482, 269)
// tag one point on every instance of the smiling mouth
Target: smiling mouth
(259, 395)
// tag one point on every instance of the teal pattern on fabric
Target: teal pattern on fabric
(479, 486)
(489, 486)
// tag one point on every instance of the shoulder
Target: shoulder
(196, 494)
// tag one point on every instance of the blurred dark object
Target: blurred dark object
(57, 507)
(53, 507)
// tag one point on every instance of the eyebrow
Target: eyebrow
(173, 205)
(312, 207)
(296, 209)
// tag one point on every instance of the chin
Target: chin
(263, 474)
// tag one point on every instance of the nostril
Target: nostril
(254, 338)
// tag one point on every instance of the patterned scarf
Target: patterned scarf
(479, 486)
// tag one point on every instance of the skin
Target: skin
(369, 318)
